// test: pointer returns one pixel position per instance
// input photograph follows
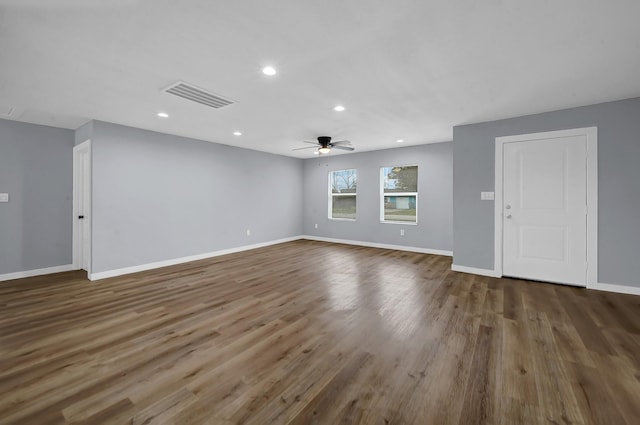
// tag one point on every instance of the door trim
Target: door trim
(77, 243)
(591, 134)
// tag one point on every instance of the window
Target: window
(399, 194)
(342, 194)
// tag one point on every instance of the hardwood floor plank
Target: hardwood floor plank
(482, 402)
(583, 322)
(322, 407)
(592, 398)
(518, 375)
(623, 388)
(312, 332)
(162, 411)
(557, 400)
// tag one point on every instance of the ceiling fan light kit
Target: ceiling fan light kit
(325, 145)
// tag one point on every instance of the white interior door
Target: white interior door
(545, 209)
(82, 206)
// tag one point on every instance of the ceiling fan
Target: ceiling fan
(325, 145)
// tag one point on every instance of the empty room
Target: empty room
(319, 212)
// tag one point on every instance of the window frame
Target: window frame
(382, 195)
(332, 195)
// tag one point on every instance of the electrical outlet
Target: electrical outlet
(316, 225)
(4, 197)
(248, 232)
(401, 232)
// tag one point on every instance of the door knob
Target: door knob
(507, 206)
(508, 215)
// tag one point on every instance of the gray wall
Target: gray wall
(36, 170)
(434, 197)
(84, 132)
(159, 197)
(618, 184)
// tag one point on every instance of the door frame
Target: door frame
(591, 134)
(83, 148)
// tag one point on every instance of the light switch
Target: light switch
(487, 196)
(4, 197)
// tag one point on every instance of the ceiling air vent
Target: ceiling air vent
(196, 94)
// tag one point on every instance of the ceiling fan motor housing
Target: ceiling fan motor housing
(324, 140)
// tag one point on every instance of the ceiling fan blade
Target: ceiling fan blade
(313, 143)
(306, 147)
(344, 148)
(341, 142)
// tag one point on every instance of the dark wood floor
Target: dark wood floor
(315, 333)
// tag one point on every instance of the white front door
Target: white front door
(545, 209)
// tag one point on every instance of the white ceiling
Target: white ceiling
(403, 69)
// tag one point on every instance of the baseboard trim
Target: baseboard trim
(607, 287)
(36, 272)
(181, 260)
(474, 270)
(621, 289)
(380, 245)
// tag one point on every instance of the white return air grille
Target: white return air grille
(196, 94)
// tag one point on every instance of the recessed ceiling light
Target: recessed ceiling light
(163, 115)
(269, 70)
(399, 141)
(237, 133)
(339, 108)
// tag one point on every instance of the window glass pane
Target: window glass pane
(400, 208)
(344, 181)
(343, 185)
(400, 179)
(343, 206)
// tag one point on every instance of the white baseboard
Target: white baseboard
(380, 245)
(474, 270)
(35, 272)
(174, 261)
(622, 289)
